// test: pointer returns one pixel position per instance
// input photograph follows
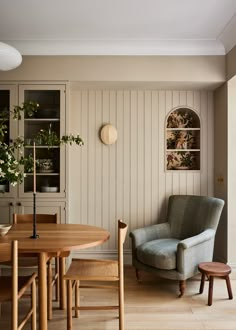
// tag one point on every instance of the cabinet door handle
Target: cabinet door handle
(19, 204)
(11, 204)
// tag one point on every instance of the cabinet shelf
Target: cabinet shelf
(43, 174)
(183, 150)
(41, 147)
(183, 129)
(42, 120)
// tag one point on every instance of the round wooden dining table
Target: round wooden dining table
(53, 238)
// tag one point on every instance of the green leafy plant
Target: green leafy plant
(47, 137)
(10, 169)
(28, 108)
(50, 139)
(28, 163)
(72, 139)
(11, 157)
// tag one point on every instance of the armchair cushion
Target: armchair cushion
(160, 253)
(150, 233)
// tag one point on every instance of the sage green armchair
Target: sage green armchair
(174, 249)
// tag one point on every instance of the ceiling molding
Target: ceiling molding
(111, 27)
(228, 35)
(119, 47)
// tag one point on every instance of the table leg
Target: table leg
(42, 290)
(62, 269)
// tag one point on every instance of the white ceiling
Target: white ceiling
(119, 27)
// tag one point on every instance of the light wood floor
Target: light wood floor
(153, 305)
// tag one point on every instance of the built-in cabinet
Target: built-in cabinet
(44, 128)
(7, 207)
(41, 129)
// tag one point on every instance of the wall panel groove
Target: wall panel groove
(128, 179)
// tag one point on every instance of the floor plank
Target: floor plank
(152, 304)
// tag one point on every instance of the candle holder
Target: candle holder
(35, 235)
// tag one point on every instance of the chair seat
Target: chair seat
(160, 253)
(6, 282)
(92, 270)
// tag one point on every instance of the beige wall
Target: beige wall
(231, 63)
(174, 70)
(220, 167)
(225, 170)
(128, 179)
(231, 171)
(225, 173)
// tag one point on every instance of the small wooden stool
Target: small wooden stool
(211, 270)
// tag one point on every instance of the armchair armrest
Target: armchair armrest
(206, 235)
(150, 233)
(191, 251)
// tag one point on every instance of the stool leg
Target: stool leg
(229, 287)
(202, 283)
(211, 282)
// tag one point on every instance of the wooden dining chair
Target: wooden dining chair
(26, 262)
(12, 288)
(95, 271)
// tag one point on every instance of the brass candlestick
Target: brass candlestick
(35, 235)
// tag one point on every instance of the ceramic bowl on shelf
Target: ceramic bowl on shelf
(4, 229)
(49, 189)
(45, 165)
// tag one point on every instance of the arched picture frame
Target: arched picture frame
(183, 135)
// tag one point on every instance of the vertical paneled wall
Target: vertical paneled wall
(128, 179)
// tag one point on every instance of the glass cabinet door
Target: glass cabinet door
(7, 101)
(43, 128)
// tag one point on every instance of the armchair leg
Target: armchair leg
(182, 286)
(138, 275)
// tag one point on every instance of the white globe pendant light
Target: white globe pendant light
(10, 58)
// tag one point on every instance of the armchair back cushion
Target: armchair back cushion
(190, 215)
